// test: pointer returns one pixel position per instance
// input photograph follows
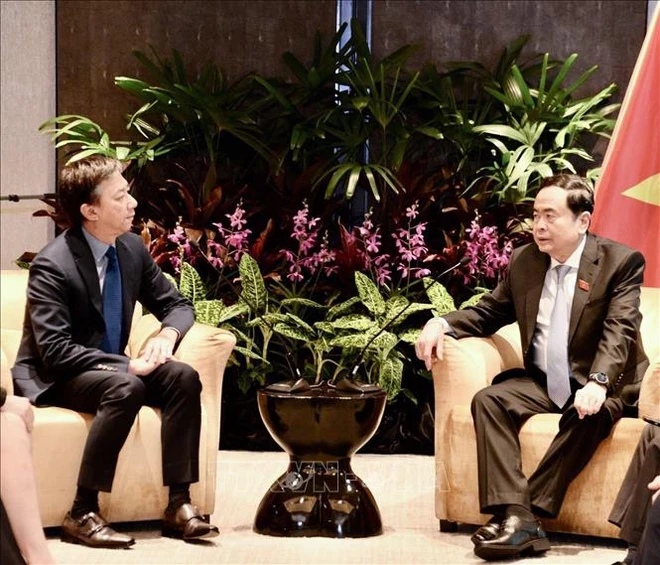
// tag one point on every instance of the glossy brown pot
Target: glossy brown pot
(319, 494)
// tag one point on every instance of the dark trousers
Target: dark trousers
(633, 502)
(115, 398)
(499, 411)
(649, 547)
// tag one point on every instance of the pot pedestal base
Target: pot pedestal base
(319, 499)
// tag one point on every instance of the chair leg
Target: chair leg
(448, 526)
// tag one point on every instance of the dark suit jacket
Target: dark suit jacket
(64, 325)
(605, 318)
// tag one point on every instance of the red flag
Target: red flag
(628, 192)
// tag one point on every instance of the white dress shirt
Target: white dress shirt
(540, 339)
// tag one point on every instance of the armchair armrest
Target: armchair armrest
(649, 394)
(467, 366)
(205, 348)
(470, 364)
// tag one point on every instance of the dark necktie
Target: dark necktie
(112, 309)
(559, 388)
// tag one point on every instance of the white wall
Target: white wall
(27, 99)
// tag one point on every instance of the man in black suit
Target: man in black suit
(575, 297)
(81, 295)
(633, 503)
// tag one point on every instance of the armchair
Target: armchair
(59, 434)
(470, 364)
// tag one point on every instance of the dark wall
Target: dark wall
(95, 42)
(607, 33)
(95, 39)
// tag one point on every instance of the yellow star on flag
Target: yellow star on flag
(647, 191)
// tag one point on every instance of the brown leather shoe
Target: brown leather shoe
(93, 531)
(187, 523)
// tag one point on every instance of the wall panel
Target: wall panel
(95, 42)
(608, 34)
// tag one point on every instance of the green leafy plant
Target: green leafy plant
(542, 129)
(207, 114)
(82, 137)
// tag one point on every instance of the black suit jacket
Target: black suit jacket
(605, 318)
(64, 325)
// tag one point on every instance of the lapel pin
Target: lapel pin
(584, 285)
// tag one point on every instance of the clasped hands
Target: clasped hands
(430, 344)
(156, 351)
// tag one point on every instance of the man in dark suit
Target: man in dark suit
(575, 297)
(633, 503)
(81, 295)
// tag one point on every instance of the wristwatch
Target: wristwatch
(600, 378)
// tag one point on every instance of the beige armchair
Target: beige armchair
(59, 434)
(470, 364)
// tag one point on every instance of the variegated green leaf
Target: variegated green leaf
(253, 286)
(355, 341)
(410, 336)
(401, 314)
(369, 294)
(341, 308)
(301, 302)
(383, 344)
(390, 377)
(354, 322)
(250, 354)
(208, 312)
(190, 283)
(266, 319)
(394, 306)
(325, 327)
(300, 323)
(233, 311)
(440, 299)
(241, 336)
(292, 332)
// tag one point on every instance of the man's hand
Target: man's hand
(141, 367)
(654, 486)
(159, 348)
(430, 343)
(21, 407)
(589, 399)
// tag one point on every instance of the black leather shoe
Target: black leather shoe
(93, 531)
(186, 523)
(487, 532)
(515, 538)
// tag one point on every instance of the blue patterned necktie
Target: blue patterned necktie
(112, 307)
(559, 388)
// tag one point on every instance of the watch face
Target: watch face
(600, 378)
